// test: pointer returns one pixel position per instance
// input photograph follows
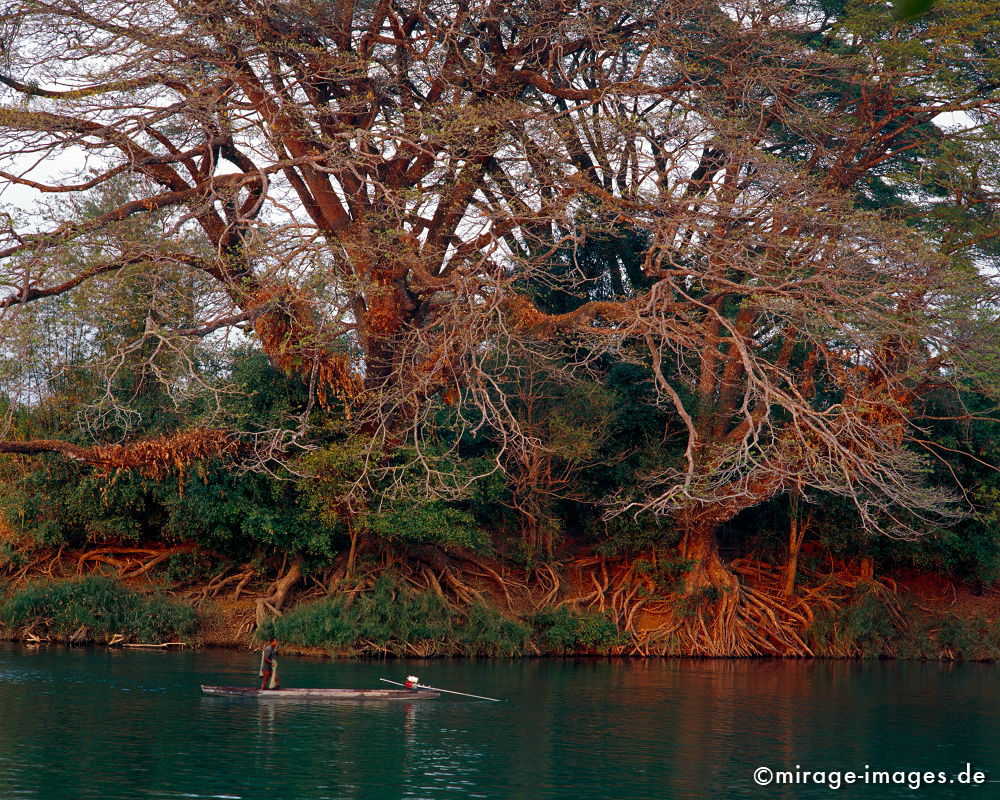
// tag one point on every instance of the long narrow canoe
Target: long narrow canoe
(321, 694)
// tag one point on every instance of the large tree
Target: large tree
(376, 190)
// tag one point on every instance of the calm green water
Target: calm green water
(81, 723)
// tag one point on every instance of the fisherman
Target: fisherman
(269, 665)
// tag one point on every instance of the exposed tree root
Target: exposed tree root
(548, 581)
(504, 582)
(714, 614)
(277, 593)
(734, 609)
(125, 558)
(215, 586)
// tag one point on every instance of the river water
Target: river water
(118, 725)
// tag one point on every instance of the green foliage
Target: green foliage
(390, 619)
(562, 630)
(52, 501)
(10, 556)
(63, 503)
(962, 430)
(386, 619)
(667, 573)
(949, 637)
(864, 627)
(188, 567)
(324, 623)
(261, 396)
(605, 266)
(965, 638)
(908, 9)
(104, 607)
(411, 519)
(487, 632)
(628, 536)
(235, 513)
(336, 467)
(430, 523)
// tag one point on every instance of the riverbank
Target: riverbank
(587, 606)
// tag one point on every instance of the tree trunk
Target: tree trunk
(794, 543)
(796, 533)
(353, 553)
(707, 570)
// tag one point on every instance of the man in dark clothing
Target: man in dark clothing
(269, 665)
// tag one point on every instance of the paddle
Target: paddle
(447, 691)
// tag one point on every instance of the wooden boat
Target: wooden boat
(321, 694)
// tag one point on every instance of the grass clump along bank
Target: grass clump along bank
(390, 619)
(393, 620)
(877, 623)
(564, 631)
(94, 608)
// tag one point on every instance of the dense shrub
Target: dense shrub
(487, 632)
(952, 638)
(386, 619)
(562, 630)
(863, 627)
(430, 523)
(101, 606)
(395, 620)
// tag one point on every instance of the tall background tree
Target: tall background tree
(796, 201)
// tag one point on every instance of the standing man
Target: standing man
(269, 665)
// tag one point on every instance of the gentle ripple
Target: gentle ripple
(117, 725)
